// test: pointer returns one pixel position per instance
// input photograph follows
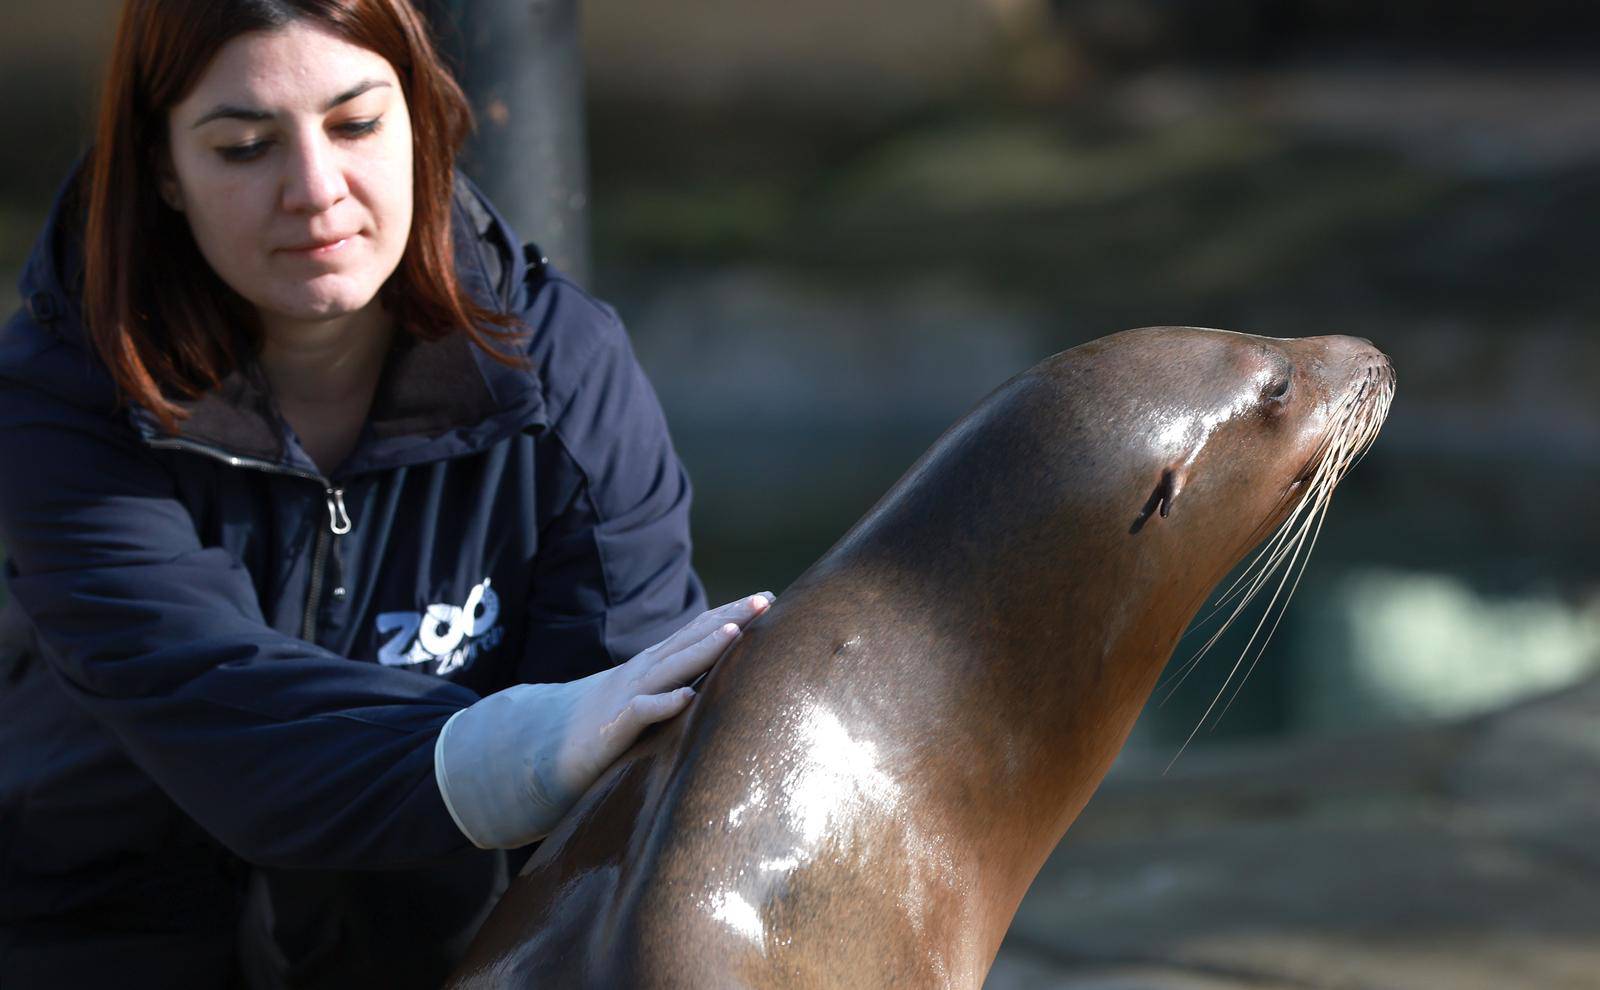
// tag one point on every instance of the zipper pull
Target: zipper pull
(338, 519)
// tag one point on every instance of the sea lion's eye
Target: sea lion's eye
(1275, 393)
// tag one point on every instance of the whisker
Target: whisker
(1254, 633)
(1340, 416)
(1287, 536)
(1259, 570)
(1352, 431)
(1282, 611)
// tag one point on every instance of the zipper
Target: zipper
(218, 454)
(338, 525)
(338, 518)
(319, 558)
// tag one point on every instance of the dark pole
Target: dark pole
(522, 68)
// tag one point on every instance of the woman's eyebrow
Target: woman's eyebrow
(229, 112)
(353, 92)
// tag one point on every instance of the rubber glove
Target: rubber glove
(510, 765)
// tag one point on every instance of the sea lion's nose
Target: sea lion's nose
(1351, 344)
(1383, 366)
(1359, 359)
(1350, 350)
(1365, 354)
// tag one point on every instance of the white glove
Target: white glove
(511, 765)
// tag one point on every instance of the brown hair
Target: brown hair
(164, 323)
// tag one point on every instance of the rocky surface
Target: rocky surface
(1462, 856)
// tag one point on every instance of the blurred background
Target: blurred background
(832, 228)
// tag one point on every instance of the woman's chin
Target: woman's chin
(316, 308)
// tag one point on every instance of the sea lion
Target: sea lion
(871, 777)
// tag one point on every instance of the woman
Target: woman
(329, 511)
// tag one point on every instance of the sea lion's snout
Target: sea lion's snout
(1357, 359)
(1381, 367)
(1356, 381)
(1361, 394)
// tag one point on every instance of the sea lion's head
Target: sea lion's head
(1240, 427)
(1163, 448)
(1183, 448)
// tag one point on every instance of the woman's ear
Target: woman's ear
(167, 181)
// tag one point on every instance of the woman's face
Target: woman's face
(291, 159)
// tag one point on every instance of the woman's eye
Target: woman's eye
(359, 128)
(251, 150)
(243, 152)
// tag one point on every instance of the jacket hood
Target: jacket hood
(436, 399)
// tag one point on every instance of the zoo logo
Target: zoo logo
(450, 636)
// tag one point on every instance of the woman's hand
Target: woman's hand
(511, 765)
(610, 713)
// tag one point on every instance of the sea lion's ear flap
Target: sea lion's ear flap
(1162, 498)
(1172, 479)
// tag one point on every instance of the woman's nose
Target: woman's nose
(314, 180)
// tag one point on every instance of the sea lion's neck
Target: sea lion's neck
(972, 737)
(1043, 622)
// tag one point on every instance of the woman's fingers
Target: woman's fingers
(690, 662)
(660, 690)
(657, 676)
(738, 612)
(644, 710)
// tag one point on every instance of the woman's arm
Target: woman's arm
(613, 573)
(287, 754)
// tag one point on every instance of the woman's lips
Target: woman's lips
(319, 248)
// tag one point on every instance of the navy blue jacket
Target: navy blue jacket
(212, 654)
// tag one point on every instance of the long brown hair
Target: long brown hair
(166, 326)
